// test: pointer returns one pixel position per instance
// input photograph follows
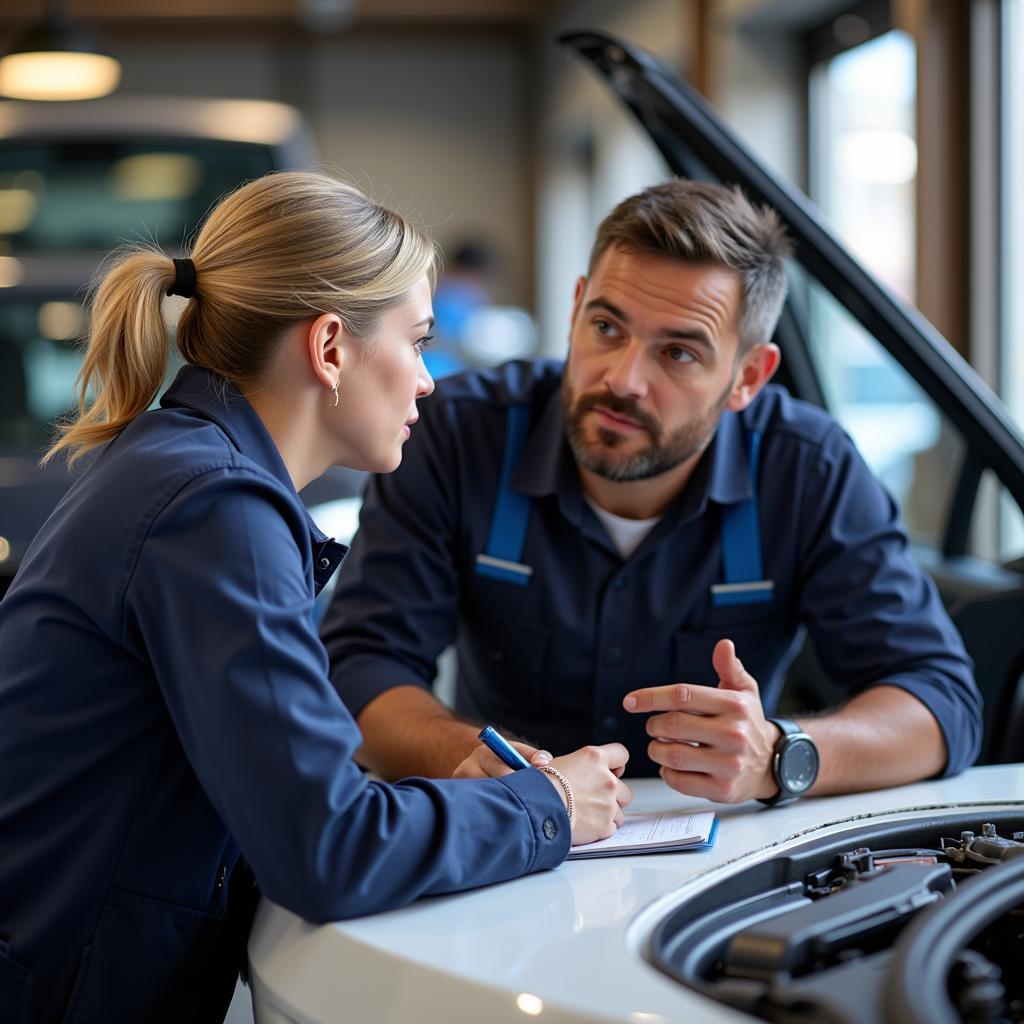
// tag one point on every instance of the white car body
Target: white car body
(566, 946)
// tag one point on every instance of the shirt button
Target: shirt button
(613, 656)
(325, 563)
(549, 828)
(609, 723)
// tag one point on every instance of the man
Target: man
(608, 539)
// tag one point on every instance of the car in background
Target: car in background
(76, 181)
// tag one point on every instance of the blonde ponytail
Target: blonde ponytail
(280, 250)
(126, 357)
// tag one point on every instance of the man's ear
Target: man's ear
(577, 301)
(325, 347)
(757, 367)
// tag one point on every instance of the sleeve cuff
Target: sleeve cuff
(551, 832)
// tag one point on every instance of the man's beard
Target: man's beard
(662, 454)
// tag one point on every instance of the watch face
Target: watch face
(798, 765)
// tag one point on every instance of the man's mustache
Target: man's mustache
(622, 407)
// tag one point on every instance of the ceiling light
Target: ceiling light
(54, 60)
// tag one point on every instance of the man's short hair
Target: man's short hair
(698, 222)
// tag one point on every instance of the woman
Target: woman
(166, 720)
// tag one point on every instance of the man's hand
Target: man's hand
(713, 743)
(484, 764)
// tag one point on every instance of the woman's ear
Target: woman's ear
(324, 343)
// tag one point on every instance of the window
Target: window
(862, 172)
(1011, 368)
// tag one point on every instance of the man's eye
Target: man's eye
(603, 327)
(678, 354)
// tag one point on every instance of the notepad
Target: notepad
(656, 832)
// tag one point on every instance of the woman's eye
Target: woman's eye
(424, 342)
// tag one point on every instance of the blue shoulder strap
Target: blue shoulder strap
(741, 528)
(502, 557)
(741, 545)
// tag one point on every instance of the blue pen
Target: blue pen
(501, 747)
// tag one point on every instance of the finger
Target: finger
(681, 727)
(731, 673)
(614, 755)
(706, 786)
(490, 765)
(623, 795)
(694, 699)
(469, 769)
(682, 757)
(618, 817)
(538, 757)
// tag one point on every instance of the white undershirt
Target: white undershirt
(626, 534)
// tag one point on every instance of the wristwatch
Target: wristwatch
(794, 762)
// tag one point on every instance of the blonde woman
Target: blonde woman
(167, 728)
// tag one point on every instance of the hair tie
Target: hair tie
(184, 279)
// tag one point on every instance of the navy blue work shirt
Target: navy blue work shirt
(165, 710)
(552, 661)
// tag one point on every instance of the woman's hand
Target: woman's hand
(598, 792)
(483, 764)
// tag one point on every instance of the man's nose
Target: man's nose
(626, 375)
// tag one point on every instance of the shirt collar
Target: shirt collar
(548, 467)
(216, 399)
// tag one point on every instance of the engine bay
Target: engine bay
(915, 921)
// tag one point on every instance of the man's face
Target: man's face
(652, 362)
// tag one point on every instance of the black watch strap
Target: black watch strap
(786, 726)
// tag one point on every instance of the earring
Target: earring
(334, 391)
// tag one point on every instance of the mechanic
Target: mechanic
(605, 540)
(167, 726)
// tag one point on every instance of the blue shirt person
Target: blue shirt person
(605, 541)
(170, 741)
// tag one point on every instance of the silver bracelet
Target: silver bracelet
(570, 803)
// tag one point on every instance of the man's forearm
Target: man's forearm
(407, 731)
(882, 737)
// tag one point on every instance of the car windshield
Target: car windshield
(90, 196)
(85, 198)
